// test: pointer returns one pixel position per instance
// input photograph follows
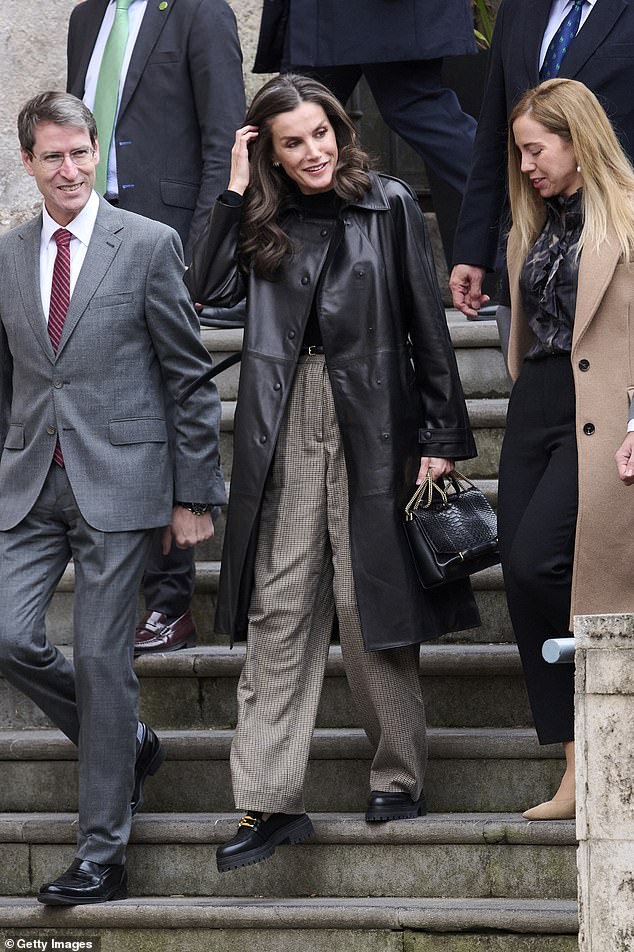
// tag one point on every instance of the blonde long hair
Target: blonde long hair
(570, 110)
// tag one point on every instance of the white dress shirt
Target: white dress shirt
(136, 12)
(81, 228)
(558, 12)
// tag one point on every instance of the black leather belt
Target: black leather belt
(313, 349)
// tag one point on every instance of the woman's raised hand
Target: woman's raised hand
(240, 171)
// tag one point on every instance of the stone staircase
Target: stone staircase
(473, 876)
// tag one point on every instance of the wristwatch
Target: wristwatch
(198, 508)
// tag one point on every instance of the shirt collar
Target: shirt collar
(80, 227)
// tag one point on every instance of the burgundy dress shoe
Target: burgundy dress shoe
(393, 806)
(256, 838)
(160, 633)
(150, 754)
(85, 882)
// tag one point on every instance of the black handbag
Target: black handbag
(451, 529)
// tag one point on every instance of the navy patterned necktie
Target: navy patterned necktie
(560, 43)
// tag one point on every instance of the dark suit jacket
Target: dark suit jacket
(338, 33)
(182, 102)
(602, 57)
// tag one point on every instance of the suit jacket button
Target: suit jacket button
(584, 364)
(58, 384)
(588, 429)
(51, 430)
(263, 439)
(305, 279)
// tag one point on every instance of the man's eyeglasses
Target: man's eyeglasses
(55, 160)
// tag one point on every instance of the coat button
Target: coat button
(291, 335)
(323, 232)
(263, 439)
(584, 364)
(360, 273)
(427, 434)
(277, 386)
(588, 429)
(305, 279)
(51, 430)
(58, 384)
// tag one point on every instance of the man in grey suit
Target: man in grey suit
(180, 100)
(96, 343)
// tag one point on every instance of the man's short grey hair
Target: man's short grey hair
(60, 108)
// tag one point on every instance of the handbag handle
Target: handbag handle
(423, 496)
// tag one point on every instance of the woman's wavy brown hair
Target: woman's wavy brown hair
(263, 243)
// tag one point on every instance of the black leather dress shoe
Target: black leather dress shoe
(159, 633)
(256, 838)
(85, 882)
(393, 806)
(150, 755)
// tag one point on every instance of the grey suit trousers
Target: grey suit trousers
(94, 699)
(303, 574)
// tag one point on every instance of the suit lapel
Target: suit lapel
(27, 265)
(154, 19)
(599, 23)
(536, 13)
(596, 269)
(100, 254)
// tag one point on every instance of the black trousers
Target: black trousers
(537, 515)
(169, 580)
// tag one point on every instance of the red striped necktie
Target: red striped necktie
(60, 299)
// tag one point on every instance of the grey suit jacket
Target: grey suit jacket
(182, 101)
(130, 344)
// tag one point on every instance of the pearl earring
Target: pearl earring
(578, 168)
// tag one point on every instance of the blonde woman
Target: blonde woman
(566, 520)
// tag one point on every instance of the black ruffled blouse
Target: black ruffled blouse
(548, 279)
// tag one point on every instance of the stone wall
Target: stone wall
(33, 58)
(605, 781)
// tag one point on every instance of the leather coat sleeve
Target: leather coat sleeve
(214, 276)
(444, 430)
(476, 240)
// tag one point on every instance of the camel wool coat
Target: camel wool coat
(603, 367)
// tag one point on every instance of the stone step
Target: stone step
(473, 856)
(212, 551)
(463, 686)
(486, 770)
(476, 343)
(203, 924)
(488, 587)
(487, 416)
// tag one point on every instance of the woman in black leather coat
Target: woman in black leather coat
(349, 392)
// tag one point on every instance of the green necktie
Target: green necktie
(107, 92)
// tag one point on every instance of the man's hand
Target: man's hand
(466, 289)
(187, 529)
(624, 458)
(436, 466)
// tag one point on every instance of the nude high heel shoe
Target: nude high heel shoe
(552, 810)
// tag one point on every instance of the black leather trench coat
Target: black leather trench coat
(395, 385)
